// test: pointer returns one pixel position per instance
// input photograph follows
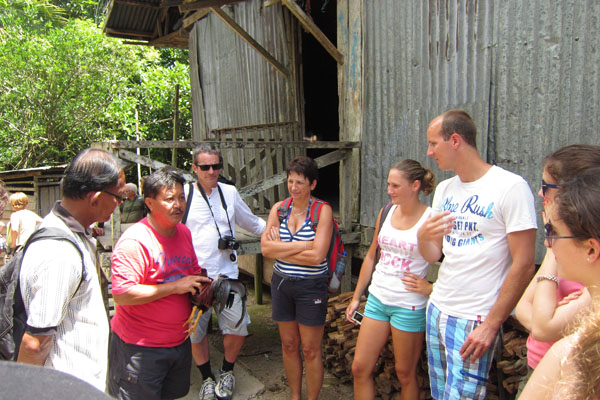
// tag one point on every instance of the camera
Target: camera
(228, 242)
(357, 317)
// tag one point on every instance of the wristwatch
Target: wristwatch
(548, 277)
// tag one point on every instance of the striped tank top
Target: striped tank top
(305, 233)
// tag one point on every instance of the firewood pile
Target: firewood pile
(340, 344)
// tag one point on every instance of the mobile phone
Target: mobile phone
(357, 317)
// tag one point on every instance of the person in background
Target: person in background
(569, 370)
(132, 209)
(3, 245)
(67, 328)
(398, 292)
(154, 271)
(545, 309)
(214, 211)
(300, 277)
(484, 223)
(22, 221)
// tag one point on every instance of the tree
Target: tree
(67, 87)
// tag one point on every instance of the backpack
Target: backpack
(336, 246)
(13, 316)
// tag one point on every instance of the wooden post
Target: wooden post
(175, 125)
(258, 278)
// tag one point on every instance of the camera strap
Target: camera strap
(210, 208)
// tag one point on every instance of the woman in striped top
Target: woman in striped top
(300, 277)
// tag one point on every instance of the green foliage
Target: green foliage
(65, 87)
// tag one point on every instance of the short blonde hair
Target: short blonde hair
(18, 201)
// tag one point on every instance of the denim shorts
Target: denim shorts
(148, 373)
(300, 300)
(403, 319)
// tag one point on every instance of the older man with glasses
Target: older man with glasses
(212, 213)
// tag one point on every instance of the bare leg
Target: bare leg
(233, 344)
(200, 351)
(372, 336)
(312, 338)
(407, 349)
(292, 363)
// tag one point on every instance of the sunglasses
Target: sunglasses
(120, 198)
(550, 235)
(546, 186)
(209, 166)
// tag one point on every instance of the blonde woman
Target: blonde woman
(22, 221)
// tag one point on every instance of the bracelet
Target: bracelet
(548, 277)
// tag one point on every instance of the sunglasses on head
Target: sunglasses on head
(550, 235)
(546, 186)
(206, 167)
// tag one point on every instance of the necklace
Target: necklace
(300, 213)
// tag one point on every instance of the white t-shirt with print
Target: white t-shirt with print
(477, 255)
(399, 254)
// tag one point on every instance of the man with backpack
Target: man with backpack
(213, 210)
(67, 327)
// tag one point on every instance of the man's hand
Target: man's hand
(436, 226)
(97, 231)
(190, 284)
(34, 349)
(478, 342)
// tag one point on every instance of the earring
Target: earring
(589, 259)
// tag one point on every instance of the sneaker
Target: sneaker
(207, 391)
(225, 385)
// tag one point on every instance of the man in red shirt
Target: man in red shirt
(154, 267)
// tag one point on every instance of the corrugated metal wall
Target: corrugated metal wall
(239, 87)
(527, 71)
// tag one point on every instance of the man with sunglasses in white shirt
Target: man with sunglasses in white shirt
(212, 213)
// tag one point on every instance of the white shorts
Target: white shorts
(227, 318)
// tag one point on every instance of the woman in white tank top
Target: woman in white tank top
(398, 290)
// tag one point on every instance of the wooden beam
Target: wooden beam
(323, 161)
(170, 3)
(198, 4)
(269, 3)
(192, 19)
(314, 30)
(130, 156)
(112, 32)
(250, 40)
(137, 3)
(188, 144)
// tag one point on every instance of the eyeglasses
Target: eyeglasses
(120, 198)
(206, 167)
(550, 235)
(546, 186)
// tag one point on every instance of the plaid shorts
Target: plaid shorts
(451, 377)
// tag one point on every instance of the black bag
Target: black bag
(13, 316)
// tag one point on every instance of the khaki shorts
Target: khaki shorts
(227, 319)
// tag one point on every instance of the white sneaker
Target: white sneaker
(225, 386)
(207, 391)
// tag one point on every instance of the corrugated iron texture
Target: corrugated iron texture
(239, 86)
(527, 71)
(139, 17)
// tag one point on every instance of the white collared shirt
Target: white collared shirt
(204, 232)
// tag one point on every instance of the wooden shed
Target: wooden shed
(41, 185)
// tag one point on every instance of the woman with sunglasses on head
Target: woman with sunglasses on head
(550, 302)
(300, 275)
(569, 370)
(398, 292)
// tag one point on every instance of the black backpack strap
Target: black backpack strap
(384, 213)
(188, 202)
(284, 209)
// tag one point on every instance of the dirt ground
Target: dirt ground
(261, 353)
